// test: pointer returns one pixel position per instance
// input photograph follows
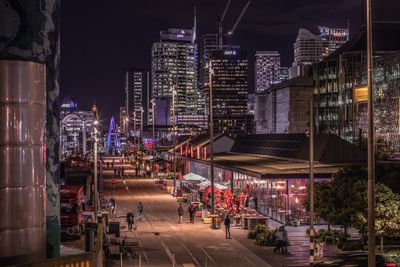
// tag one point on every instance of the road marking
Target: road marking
(208, 255)
(166, 250)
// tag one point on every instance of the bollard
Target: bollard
(140, 260)
(206, 262)
(173, 260)
(238, 263)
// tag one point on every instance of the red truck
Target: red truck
(71, 204)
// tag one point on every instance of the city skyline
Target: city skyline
(129, 46)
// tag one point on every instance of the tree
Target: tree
(384, 148)
(344, 197)
(387, 214)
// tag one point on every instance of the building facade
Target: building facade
(174, 65)
(230, 92)
(340, 88)
(336, 37)
(137, 95)
(76, 129)
(267, 69)
(285, 107)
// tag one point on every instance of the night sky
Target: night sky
(100, 40)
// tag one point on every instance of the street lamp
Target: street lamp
(95, 124)
(174, 135)
(211, 129)
(312, 215)
(371, 152)
(153, 107)
(141, 127)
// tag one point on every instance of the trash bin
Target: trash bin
(90, 236)
(114, 228)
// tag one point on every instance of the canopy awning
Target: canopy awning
(207, 183)
(193, 177)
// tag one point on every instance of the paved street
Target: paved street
(163, 238)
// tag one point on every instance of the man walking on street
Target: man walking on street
(140, 209)
(129, 220)
(227, 223)
(192, 211)
(180, 213)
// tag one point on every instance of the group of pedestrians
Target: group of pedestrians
(191, 211)
(130, 217)
(119, 172)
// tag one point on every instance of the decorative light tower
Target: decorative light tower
(95, 131)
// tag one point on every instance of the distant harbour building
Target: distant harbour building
(137, 96)
(310, 48)
(267, 69)
(285, 107)
(76, 129)
(174, 65)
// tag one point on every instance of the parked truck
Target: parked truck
(71, 205)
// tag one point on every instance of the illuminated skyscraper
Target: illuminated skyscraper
(268, 65)
(230, 92)
(137, 95)
(174, 64)
(336, 37)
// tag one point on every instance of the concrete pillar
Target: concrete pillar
(22, 161)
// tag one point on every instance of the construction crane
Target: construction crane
(232, 31)
(220, 33)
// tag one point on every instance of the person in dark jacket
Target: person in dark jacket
(192, 211)
(129, 220)
(180, 213)
(227, 223)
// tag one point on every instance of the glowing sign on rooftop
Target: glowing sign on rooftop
(230, 52)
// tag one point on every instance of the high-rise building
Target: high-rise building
(284, 74)
(76, 129)
(336, 37)
(137, 95)
(267, 69)
(174, 65)
(123, 120)
(230, 91)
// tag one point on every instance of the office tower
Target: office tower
(137, 96)
(76, 129)
(174, 65)
(230, 91)
(336, 37)
(267, 69)
(283, 74)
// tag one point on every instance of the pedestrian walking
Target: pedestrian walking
(180, 213)
(227, 223)
(285, 240)
(140, 209)
(115, 171)
(279, 240)
(192, 211)
(129, 220)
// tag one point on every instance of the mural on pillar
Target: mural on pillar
(29, 30)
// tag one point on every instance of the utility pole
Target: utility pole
(153, 106)
(174, 136)
(312, 236)
(371, 152)
(211, 129)
(95, 193)
(141, 137)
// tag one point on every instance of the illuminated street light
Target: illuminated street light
(174, 135)
(153, 107)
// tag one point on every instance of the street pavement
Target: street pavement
(163, 241)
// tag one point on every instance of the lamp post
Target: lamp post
(174, 135)
(371, 152)
(134, 135)
(95, 193)
(211, 129)
(311, 148)
(153, 107)
(141, 135)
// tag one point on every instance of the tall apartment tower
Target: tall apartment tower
(230, 92)
(268, 64)
(137, 95)
(174, 65)
(336, 37)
